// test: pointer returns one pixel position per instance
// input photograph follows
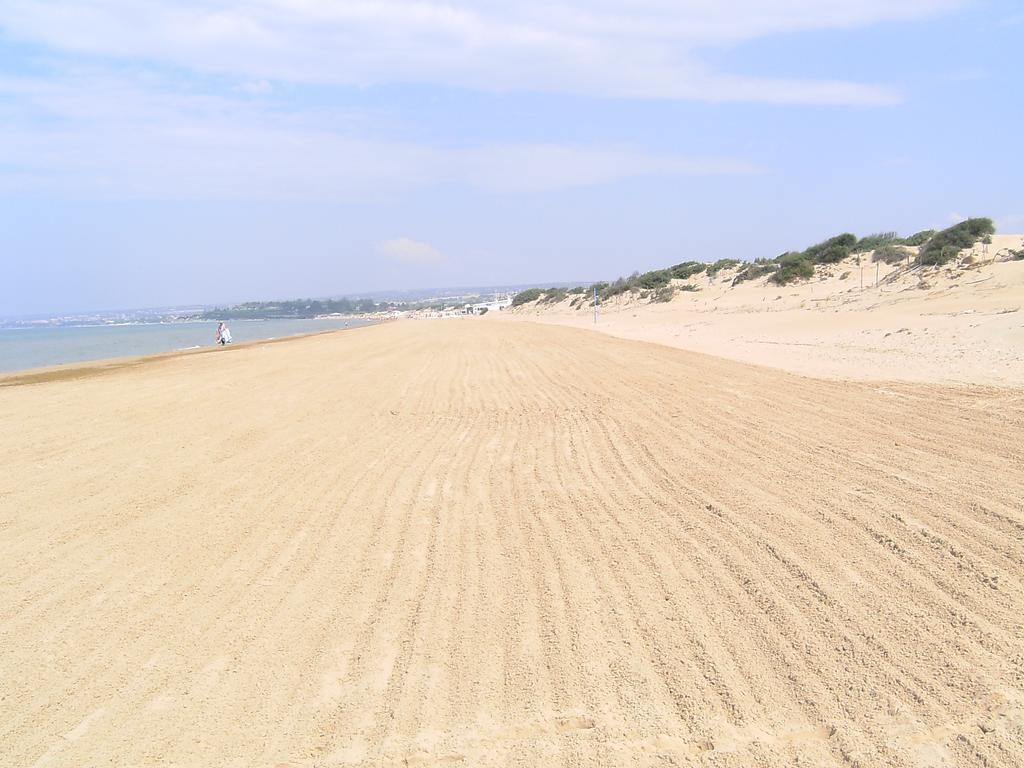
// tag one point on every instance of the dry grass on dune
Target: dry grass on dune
(474, 543)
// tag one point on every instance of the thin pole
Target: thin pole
(877, 265)
(595, 305)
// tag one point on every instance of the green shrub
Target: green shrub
(891, 254)
(615, 288)
(554, 295)
(654, 279)
(525, 297)
(636, 282)
(687, 269)
(718, 266)
(792, 266)
(691, 287)
(918, 238)
(759, 268)
(832, 250)
(945, 245)
(874, 242)
(579, 289)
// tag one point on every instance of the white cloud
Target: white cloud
(413, 252)
(611, 48)
(114, 138)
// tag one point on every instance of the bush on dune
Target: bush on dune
(636, 282)
(654, 279)
(832, 250)
(687, 269)
(888, 247)
(875, 241)
(616, 287)
(891, 254)
(663, 294)
(792, 266)
(525, 297)
(918, 238)
(554, 295)
(718, 266)
(799, 265)
(945, 245)
(754, 270)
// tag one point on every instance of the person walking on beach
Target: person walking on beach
(223, 334)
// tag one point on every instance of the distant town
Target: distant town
(449, 302)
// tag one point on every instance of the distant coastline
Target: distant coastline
(30, 347)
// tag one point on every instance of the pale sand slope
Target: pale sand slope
(967, 325)
(483, 544)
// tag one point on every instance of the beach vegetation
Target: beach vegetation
(832, 250)
(657, 285)
(891, 254)
(687, 269)
(716, 267)
(553, 295)
(654, 279)
(525, 297)
(619, 286)
(944, 246)
(875, 241)
(754, 270)
(793, 265)
(663, 294)
(916, 239)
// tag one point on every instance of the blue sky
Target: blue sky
(156, 153)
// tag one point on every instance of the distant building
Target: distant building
(494, 305)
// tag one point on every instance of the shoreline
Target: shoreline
(89, 368)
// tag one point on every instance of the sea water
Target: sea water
(42, 346)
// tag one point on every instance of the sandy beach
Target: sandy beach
(940, 325)
(485, 543)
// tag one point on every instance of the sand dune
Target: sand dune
(939, 325)
(476, 543)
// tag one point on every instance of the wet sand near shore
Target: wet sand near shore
(84, 370)
(487, 543)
